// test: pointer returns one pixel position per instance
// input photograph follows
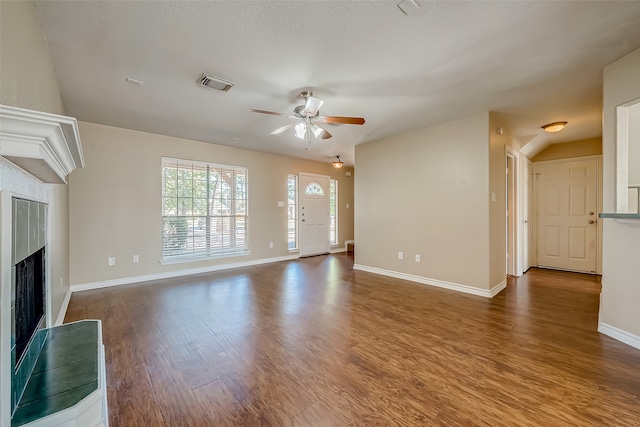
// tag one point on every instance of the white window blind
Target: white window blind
(292, 211)
(204, 209)
(333, 212)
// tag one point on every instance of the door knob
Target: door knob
(303, 220)
(591, 213)
(591, 221)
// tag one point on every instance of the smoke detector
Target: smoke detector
(213, 82)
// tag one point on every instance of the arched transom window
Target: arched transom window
(314, 189)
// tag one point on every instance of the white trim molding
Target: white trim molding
(177, 273)
(63, 308)
(43, 144)
(435, 282)
(619, 334)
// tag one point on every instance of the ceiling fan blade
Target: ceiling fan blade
(283, 128)
(312, 106)
(273, 113)
(333, 120)
(324, 134)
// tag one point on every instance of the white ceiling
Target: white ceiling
(531, 62)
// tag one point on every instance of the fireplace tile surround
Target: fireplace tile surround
(68, 370)
(29, 236)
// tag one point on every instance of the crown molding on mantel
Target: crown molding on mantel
(45, 145)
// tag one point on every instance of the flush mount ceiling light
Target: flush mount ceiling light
(554, 127)
(338, 163)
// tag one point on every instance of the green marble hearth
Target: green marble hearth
(65, 372)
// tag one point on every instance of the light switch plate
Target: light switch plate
(280, 204)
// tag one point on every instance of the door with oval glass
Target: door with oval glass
(567, 203)
(313, 215)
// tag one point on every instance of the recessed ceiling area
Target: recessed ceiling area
(531, 62)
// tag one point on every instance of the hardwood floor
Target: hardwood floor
(314, 343)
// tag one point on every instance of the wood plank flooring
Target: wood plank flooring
(313, 343)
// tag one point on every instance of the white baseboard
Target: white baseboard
(497, 288)
(619, 334)
(63, 309)
(177, 273)
(342, 249)
(434, 282)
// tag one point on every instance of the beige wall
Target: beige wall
(497, 209)
(426, 192)
(567, 150)
(621, 245)
(115, 201)
(27, 78)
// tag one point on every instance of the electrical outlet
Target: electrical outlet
(347, 205)
(111, 261)
(271, 245)
(417, 257)
(400, 255)
(136, 258)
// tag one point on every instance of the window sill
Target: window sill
(204, 258)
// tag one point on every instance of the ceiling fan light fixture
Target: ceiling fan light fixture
(312, 106)
(317, 131)
(338, 163)
(554, 127)
(301, 130)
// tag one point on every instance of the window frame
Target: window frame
(226, 208)
(333, 218)
(293, 205)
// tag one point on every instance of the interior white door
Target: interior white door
(567, 220)
(313, 216)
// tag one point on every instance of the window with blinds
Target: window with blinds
(204, 209)
(333, 212)
(292, 211)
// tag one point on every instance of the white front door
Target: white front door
(313, 215)
(567, 220)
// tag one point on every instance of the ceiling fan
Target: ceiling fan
(309, 122)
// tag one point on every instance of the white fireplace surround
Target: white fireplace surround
(46, 147)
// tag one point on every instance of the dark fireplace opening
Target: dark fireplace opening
(30, 282)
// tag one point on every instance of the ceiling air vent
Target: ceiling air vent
(213, 82)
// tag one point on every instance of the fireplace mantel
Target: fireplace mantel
(43, 144)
